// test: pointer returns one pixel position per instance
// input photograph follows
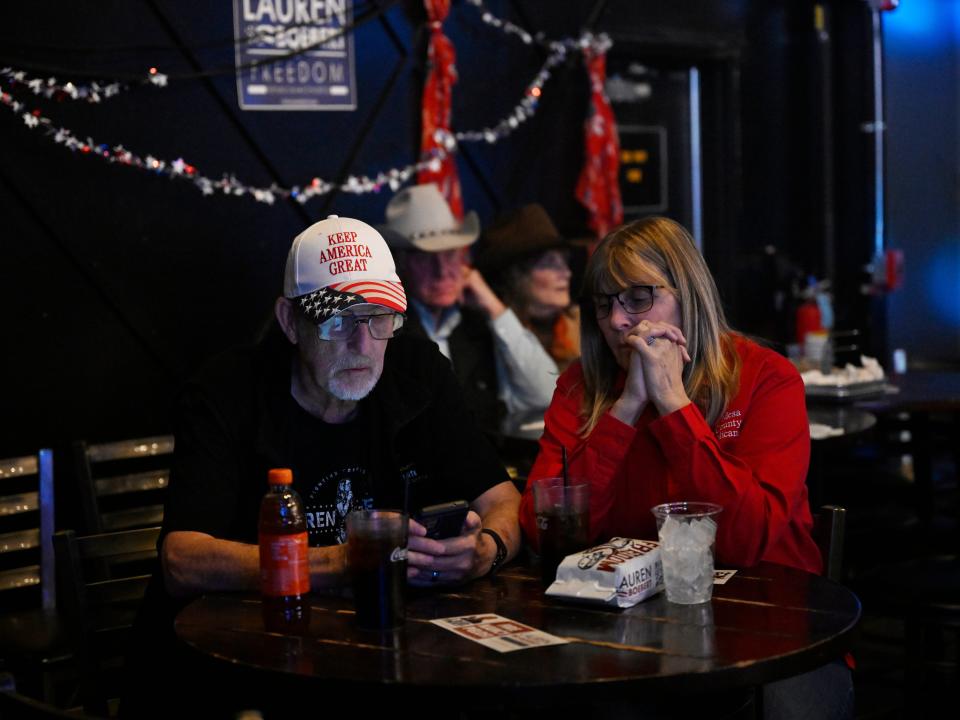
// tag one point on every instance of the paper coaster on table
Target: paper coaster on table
(721, 576)
(497, 632)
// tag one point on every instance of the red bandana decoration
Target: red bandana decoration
(598, 188)
(435, 116)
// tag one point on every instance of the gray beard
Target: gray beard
(351, 391)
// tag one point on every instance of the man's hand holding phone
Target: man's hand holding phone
(443, 560)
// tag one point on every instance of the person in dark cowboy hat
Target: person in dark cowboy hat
(500, 363)
(527, 263)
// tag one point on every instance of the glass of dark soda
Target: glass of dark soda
(377, 562)
(563, 521)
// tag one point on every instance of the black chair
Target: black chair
(13, 705)
(829, 528)
(26, 530)
(932, 632)
(122, 484)
(32, 645)
(101, 580)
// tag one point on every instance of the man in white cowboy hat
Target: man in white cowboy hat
(364, 418)
(500, 364)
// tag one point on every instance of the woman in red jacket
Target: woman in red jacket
(667, 403)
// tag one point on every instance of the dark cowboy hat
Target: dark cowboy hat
(518, 235)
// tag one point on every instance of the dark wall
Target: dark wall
(117, 283)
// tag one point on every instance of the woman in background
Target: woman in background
(527, 263)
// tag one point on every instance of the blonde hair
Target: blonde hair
(659, 251)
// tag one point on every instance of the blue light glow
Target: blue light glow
(923, 25)
(942, 282)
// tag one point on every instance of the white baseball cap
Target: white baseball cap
(340, 262)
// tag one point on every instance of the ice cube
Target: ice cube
(703, 531)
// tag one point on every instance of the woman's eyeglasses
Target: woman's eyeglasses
(341, 327)
(635, 299)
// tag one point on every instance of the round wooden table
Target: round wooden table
(764, 624)
(851, 420)
(927, 404)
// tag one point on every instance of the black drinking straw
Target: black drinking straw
(566, 478)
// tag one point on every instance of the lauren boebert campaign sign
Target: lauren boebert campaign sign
(295, 54)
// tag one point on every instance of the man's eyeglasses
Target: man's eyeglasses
(341, 327)
(635, 299)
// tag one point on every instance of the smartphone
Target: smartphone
(444, 520)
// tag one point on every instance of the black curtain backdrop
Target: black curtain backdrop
(118, 283)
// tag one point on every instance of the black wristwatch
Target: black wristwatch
(501, 550)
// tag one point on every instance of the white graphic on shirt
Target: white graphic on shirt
(344, 506)
(728, 426)
(330, 500)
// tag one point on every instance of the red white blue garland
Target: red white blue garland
(91, 93)
(228, 184)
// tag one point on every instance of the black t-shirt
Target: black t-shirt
(414, 443)
(330, 464)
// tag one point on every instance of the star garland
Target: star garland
(505, 25)
(92, 93)
(228, 184)
(180, 169)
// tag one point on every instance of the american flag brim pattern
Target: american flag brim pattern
(379, 292)
(324, 303)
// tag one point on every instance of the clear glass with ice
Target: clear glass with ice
(687, 531)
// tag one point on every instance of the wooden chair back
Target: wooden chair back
(16, 706)
(13, 705)
(26, 531)
(122, 484)
(101, 581)
(829, 528)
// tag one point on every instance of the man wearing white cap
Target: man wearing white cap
(499, 363)
(362, 417)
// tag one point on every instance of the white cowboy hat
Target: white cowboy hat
(419, 217)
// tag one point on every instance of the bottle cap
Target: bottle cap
(280, 476)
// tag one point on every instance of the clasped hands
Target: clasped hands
(658, 352)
